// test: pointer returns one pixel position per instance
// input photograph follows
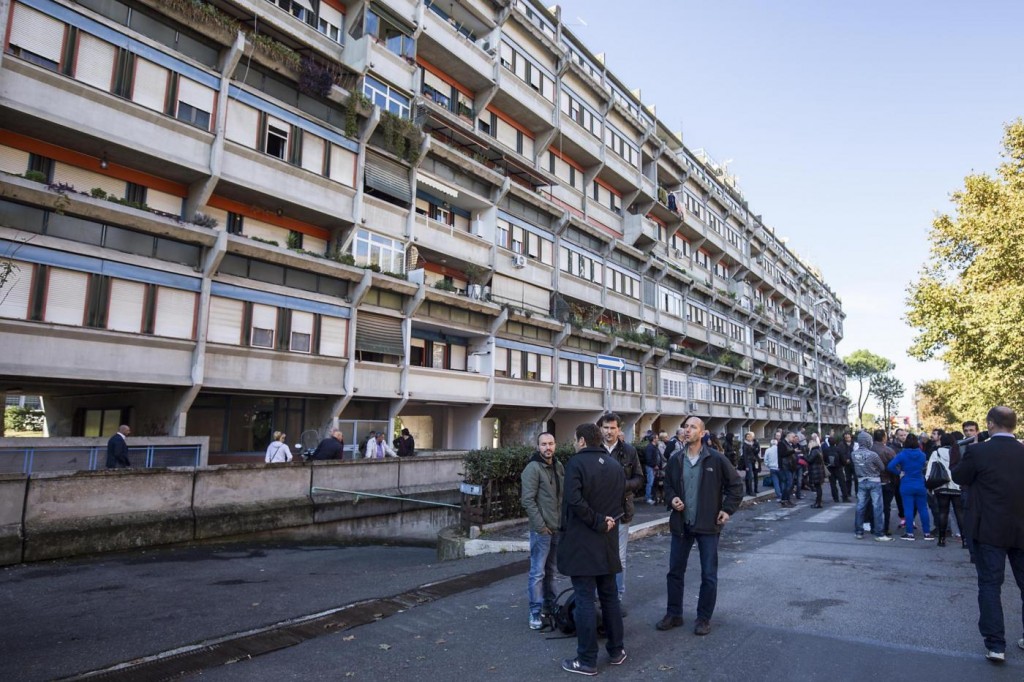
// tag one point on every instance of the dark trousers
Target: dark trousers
(707, 545)
(851, 482)
(899, 499)
(888, 493)
(943, 501)
(990, 562)
(750, 481)
(837, 482)
(584, 588)
(785, 482)
(816, 487)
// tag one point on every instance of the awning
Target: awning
(424, 179)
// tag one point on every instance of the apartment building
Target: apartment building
(233, 217)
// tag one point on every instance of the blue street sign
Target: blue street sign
(611, 362)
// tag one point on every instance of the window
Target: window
(197, 117)
(135, 193)
(391, 33)
(301, 332)
(277, 140)
(331, 23)
(235, 223)
(264, 326)
(386, 97)
(373, 249)
(195, 102)
(694, 314)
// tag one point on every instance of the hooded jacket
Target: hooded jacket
(720, 489)
(866, 462)
(542, 486)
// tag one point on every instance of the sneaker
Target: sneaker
(573, 665)
(1020, 643)
(669, 622)
(702, 626)
(883, 538)
(928, 536)
(903, 523)
(996, 656)
(650, 501)
(620, 659)
(907, 536)
(535, 622)
(859, 536)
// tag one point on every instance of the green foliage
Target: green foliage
(35, 176)
(862, 365)
(22, 419)
(969, 299)
(294, 240)
(444, 285)
(932, 403)
(203, 220)
(264, 241)
(340, 257)
(401, 136)
(98, 193)
(887, 390)
(505, 464)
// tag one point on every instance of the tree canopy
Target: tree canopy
(887, 390)
(863, 365)
(968, 303)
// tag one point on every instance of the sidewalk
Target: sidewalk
(514, 535)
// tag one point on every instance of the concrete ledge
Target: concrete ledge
(95, 535)
(13, 488)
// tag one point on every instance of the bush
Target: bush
(98, 193)
(35, 176)
(204, 220)
(22, 419)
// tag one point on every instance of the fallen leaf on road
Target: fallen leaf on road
(348, 639)
(483, 606)
(666, 667)
(440, 641)
(385, 647)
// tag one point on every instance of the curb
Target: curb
(452, 544)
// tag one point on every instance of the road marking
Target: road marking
(828, 515)
(776, 514)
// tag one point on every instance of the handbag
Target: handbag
(938, 476)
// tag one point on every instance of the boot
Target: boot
(942, 538)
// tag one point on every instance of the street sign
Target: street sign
(611, 362)
(470, 489)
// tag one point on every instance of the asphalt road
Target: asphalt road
(799, 598)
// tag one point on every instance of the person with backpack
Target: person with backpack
(542, 483)
(588, 552)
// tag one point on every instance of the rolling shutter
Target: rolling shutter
(226, 316)
(333, 336)
(162, 201)
(14, 294)
(95, 62)
(243, 124)
(302, 332)
(65, 297)
(388, 177)
(13, 160)
(127, 303)
(39, 34)
(85, 180)
(150, 86)
(313, 153)
(457, 357)
(195, 95)
(264, 326)
(258, 228)
(343, 165)
(175, 313)
(506, 134)
(379, 334)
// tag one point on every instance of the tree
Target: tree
(887, 390)
(862, 365)
(931, 400)
(969, 299)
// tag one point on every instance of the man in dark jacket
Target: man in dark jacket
(652, 463)
(844, 473)
(625, 454)
(703, 490)
(994, 470)
(332, 447)
(542, 482)
(589, 549)
(789, 448)
(117, 449)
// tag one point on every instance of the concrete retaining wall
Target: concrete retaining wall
(53, 515)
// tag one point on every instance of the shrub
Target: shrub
(35, 176)
(203, 220)
(444, 285)
(22, 419)
(98, 193)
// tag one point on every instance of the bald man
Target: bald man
(703, 490)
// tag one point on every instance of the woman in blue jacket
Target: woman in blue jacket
(909, 464)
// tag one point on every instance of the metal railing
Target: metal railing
(31, 459)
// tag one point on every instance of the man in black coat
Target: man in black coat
(332, 447)
(117, 449)
(994, 470)
(703, 490)
(588, 551)
(625, 454)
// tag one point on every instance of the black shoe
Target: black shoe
(618, 659)
(573, 665)
(702, 627)
(669, 622)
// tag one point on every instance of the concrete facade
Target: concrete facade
(206, 247)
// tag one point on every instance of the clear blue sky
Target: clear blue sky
(848, 123)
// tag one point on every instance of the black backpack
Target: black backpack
(564, 615)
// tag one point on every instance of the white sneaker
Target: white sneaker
(1020, 643)
(883, 538)
(535, 622)
(996, 656)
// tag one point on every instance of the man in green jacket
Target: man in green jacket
(542, 483)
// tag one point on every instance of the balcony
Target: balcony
(577, 142)
(625, 305)
(436, 236)
(462, 59)
(518, 393)
(247, 369)
(377, 380)
(369, 54)
(626, 402)
(604, 218)
(566, 198)
(626, 176)
(639, 231)
(384, 218)
(533, 272)
(521, 102)
(578, 398)
(579, 289)
(426, 383)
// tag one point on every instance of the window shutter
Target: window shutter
(162, 201)
(379, 334)
(243, 124)
(343, 165)
(436, 83)
(84, 180)
(506, 134)
(65, 297)
(333, 336)
(194, 94)
(500, 361)
(226, 317)
(175, 313)
(384, 175)
(457, 357)
(95, 62)
(150, 85)
(302, 332)
(15, 293)
(264, 325)
(13, 160)
(127, 306)
(34, 31)
(313, 153)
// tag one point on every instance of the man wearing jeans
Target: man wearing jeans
(771, 462)
(543, 480)
(994, 470)
(868, 467)
(595, 485)
(703, 490)
(610, 425)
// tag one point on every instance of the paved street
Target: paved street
(799, 598)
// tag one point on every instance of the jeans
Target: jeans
(990, 562)
(915, 499)
(786, 483)
(620, 578)
(776, 482)
(707, 545)
(650, 482)
(586, 617)
(800, 483)
(868, 490)
(541, 588)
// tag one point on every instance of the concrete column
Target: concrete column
(521, 429)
